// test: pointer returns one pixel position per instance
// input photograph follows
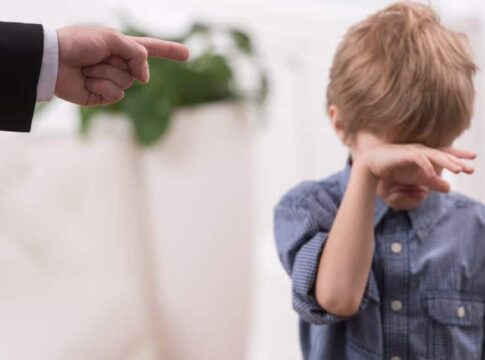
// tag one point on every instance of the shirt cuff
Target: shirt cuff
(50, 63)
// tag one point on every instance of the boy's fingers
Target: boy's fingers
(443, 161)
(464, 166)
(439, 184)
(423, 162)
(460, 153)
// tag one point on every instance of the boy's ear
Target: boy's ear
(333, 114)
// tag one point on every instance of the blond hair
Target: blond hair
(402, 75)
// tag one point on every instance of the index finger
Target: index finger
(161, 48)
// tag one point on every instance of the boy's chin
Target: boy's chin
(398, 201)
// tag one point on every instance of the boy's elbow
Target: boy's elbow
(340, 305)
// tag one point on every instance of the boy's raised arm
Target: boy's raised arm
(346, 259)
(347, 256)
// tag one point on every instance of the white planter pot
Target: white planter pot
(112, 253)
(71, 266)
(199, 197)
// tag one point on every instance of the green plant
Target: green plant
(210, 75)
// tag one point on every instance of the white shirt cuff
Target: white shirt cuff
(50, 63)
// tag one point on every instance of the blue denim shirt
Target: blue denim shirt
(425, 293)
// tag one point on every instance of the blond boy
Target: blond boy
(385, 261)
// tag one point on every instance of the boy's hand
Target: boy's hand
(416, 164)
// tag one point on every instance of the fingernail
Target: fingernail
(147, 74)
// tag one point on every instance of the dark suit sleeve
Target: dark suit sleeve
(21, 50)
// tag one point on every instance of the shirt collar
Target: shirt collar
(426, 215)
(423, 218)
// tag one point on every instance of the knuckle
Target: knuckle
(114, 36)
(129, 82)
(91, 84)
(115, 93)
(114, 32)
(102, 86)
(444, 157)
(116, 96)
(143, 52)
(100, 70)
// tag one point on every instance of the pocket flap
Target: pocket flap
(455, 311)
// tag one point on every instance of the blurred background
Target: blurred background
(150, 236)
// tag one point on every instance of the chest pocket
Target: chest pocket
(455, 328)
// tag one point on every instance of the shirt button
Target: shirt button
(396, 305)
(396, 247)
(396, 358)
(460, 312)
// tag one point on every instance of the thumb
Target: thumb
(134, 54)
(437, 183)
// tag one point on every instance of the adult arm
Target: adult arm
(21, 50)
(85, 65)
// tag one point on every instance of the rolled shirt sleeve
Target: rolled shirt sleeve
(302, 221)
(50, 64)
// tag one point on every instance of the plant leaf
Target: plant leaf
(242, 41)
